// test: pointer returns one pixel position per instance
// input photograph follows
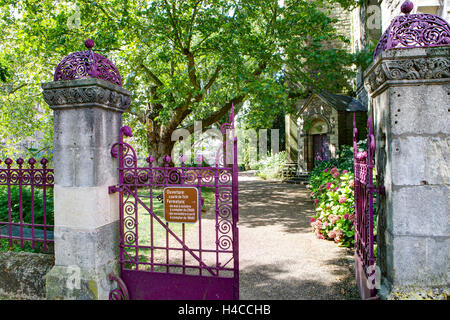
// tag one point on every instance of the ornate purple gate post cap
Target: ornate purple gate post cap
(86, 79)
(414, 31)
(87, 64)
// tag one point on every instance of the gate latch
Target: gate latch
(114, 189)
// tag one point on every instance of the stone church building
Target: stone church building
(322, 123)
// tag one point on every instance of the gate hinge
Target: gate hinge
(379, 190)
(114, 189)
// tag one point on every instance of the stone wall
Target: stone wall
(22, 274)
(343, 26)
(333, 134)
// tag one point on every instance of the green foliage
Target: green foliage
(26, 214)
(26, 247)
(271, 167)
(26, 204)
(365, 57)
(343, 161)
(183, 60)
(331, 184)
(332, 191)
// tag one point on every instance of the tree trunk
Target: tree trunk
(158, 148)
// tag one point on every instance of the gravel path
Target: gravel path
(280, 258)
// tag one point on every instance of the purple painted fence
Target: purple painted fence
(176, 260)
(364, 218)
(24, 191)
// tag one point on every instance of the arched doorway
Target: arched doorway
(318, 143)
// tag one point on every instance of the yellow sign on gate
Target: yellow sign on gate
(181, 204)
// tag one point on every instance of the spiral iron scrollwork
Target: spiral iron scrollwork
(120, 293)
(414, 30)
(84, 64)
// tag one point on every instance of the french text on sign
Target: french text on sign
(181, 204)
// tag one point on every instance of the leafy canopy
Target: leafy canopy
(183, 60)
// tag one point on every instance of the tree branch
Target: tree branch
(213, 78)
(194, 14)
(216, 116)
(174, 25)
(14, 90)
(140, 117)
(151, 75)
(192, 71)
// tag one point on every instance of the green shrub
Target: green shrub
(26, 247)
(271, 167)
(332, 191)
(331, 184)
(26, 204)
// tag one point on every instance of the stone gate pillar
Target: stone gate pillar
(88, 102)
(409, 101)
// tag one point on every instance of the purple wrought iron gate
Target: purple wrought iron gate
(161, 260)
(364, 213)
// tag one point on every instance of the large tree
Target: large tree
(184, 60)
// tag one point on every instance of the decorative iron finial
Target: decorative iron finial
(166, 158)
(126, 130)
(407, 7)
(89, 43)
(87, 64)
(419, 30)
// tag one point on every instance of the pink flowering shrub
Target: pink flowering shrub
(334, 205)
(331, 184)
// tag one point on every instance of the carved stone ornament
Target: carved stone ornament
(86, 93)
(407, 68)
(316, 106)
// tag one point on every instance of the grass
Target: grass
(159, 232)
(27, 246)
(14, 194)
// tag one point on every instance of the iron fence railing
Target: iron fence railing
(26, 203)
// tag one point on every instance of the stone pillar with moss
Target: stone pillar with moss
(409, 91)
(88, 100)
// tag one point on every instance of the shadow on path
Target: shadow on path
(280, 258)
(263, 202)
(265, 280)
